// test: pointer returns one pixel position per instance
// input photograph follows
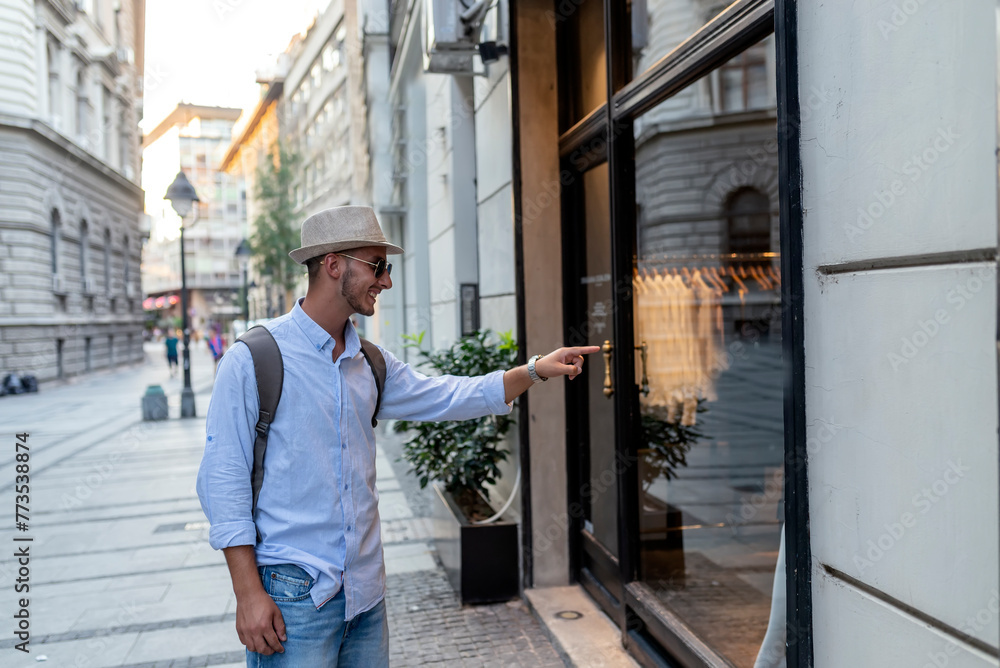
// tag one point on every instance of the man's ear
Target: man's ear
(333, 265)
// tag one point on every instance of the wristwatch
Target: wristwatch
(535, 378)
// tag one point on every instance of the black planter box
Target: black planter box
(481, 560)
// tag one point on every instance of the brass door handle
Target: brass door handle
(645, 378)
(609, 387)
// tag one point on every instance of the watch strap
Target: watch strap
(532, 373)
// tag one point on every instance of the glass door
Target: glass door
(593, 324)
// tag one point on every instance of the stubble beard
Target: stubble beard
(349, 290)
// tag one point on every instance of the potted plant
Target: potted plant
(461, 459)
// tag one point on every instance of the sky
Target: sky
(207, 51)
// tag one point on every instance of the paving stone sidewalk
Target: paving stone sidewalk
(429, 627)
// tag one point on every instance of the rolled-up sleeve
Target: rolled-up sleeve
(224, 475)
(411, 395)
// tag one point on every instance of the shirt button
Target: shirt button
(345, 486)
(343, 445)
(348, 527)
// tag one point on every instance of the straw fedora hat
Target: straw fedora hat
(339, 229)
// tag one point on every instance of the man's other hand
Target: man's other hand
(259, 623)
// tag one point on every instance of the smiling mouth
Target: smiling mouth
(373, 295)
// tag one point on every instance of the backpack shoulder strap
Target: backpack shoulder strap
(270, 373)
(377, 363)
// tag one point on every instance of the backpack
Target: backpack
(270, 373)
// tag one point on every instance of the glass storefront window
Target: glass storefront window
(708, 362)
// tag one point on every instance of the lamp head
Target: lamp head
(182, 195)
(243, 249)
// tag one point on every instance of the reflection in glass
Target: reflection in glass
(743, 81)
(585, 21)
(708, 361)
(660, 26)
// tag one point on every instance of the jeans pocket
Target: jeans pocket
(286, 582)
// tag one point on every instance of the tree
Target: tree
(275, 229)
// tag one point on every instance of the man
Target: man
(171, 343)
(310, 592)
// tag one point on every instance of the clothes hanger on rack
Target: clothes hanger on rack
(758, 275)
(735, 276)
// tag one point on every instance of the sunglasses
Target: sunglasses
(381, 267)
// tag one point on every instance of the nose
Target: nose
(385, 281)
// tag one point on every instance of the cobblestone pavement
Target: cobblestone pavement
(428, 627)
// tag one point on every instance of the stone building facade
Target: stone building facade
(70, 201)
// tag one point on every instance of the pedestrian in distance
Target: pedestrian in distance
(306, 558)
(216, 345)
(171, 345)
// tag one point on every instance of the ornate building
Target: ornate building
(70, 201)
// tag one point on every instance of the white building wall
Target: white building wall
(408, 93)
(497, 270)
(901, 363)
(451, 201)
(386, 327)
(494, 201)
(18, 64)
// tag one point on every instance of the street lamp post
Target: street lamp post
(243, 256)
(182, 197)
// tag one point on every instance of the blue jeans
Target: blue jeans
(321, 638)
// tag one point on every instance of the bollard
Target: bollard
(154, 404)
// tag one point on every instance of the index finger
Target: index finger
(583, 350)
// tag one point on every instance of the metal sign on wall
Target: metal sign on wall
(470, 308)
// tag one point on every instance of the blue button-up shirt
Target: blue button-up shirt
(318, 506)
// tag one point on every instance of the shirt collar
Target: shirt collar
(319, 337)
